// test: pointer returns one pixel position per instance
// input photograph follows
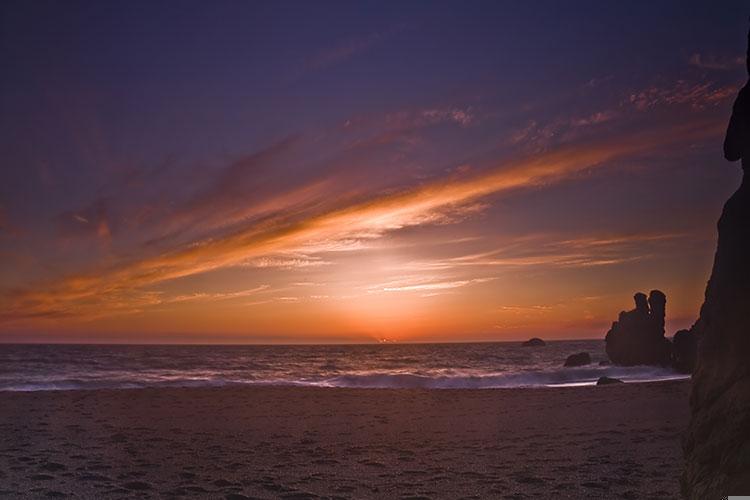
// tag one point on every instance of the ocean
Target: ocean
(428, 366)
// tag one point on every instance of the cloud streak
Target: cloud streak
(424, 285)
(348, 49)
(548, 251)
(425, 204)
(697, 95)
(714, 62)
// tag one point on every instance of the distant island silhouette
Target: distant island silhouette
(717, 442)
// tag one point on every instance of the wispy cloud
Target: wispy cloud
(288, 262)
(540, 135)
(431, 116)
(349, 48)
(246, 187)
(395, 123)
(716, 62)
(598, 82)
(424, 284)
(372, 218)
(214, 296)
(92, 221)
(594, 118)
(556, 252)
(695, 95)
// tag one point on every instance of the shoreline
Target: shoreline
(617, 441)
(237, 385)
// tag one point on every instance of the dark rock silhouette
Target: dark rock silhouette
(608, 381)
(534, 342)
(657, 302)
(637, 337)
(605, 362)
(580, 359)
(717, 442)
(684, 351)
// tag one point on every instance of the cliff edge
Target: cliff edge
(717, 442)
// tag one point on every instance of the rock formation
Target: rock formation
(534, 342)
(608, 381)
(637, 337)
(684, 351)
(717, 442)
(580, 359)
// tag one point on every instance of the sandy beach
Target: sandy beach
(620, 441)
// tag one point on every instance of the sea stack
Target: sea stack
(580, 359)
(637, 337)
(717, 442)
(534, 342)
(608, 381)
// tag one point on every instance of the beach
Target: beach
(618, 441)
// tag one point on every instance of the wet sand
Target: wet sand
(619, 441)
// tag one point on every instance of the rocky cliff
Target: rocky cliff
(717, 442)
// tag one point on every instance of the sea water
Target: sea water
(428, 366)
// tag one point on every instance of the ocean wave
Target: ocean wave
(74, 385)
(549, 378)
(425, 366)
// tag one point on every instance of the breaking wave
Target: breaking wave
(405, 366)
(553, 378)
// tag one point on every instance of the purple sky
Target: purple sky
(260, 172)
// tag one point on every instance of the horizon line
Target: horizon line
(136, 344)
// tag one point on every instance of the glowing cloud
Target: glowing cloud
(259, 242)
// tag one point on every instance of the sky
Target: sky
(307, 172)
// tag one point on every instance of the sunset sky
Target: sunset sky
(347, 172)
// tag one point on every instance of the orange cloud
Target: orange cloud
(116, 287)
(543, 251)
(696, 95)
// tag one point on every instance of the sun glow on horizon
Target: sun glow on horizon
(505, 203)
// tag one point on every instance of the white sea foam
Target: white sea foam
(553, 378)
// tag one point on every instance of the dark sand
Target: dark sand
(619, 441)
